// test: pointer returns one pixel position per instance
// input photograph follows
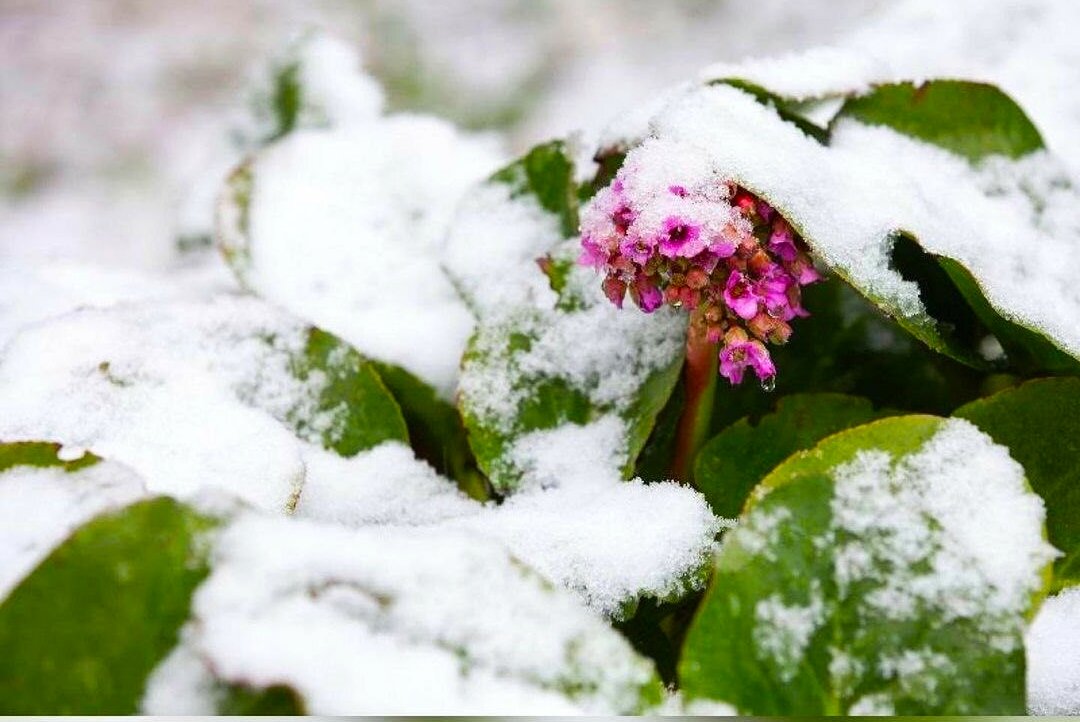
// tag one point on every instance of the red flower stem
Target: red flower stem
(699, 374)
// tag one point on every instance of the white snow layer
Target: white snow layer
(190, 394)
(393, 621)
(1053, 656)
(346, 227)
(951, 528)
(41, 506)
(1014, 224)
(194, 396)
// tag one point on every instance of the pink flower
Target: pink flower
(723, 247)
(773, 289)
(740, 296)
(680, 237)
(637, 249)
(622, 217)
(679, 191)
(782, 242)
(735, 357)
(592, 254)
(646, 293)
(615, 290)
(802, 268)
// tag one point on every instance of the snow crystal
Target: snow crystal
(850, 197)
(41, 506)
(384, 621)
(1053, 656)
(346, 228)
(782, 632)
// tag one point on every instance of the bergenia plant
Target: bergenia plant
(773, 411)
(720, 252)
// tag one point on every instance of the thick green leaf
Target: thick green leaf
(83, 632)
(547, 174)
(732, 463)
(41, 453)
(971, 119)
(976, 121)
(1040, 423)
(806, 613)
(1026, 350)
(365, 413)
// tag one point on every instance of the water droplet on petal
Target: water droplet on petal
(768, 384)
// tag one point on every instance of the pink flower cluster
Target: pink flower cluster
(715, 249)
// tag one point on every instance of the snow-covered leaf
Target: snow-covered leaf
(732, 463)
(345, 227)
(977, 121)
(229, 393)
(1040, 424)
(384, 621)
(83, 632)
(856, 198)
(888, 570)
(46, 491)
(537, 362)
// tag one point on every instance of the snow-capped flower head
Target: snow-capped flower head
(711, 247)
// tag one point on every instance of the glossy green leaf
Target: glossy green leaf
(365, 412)
(971, 119)
(732, 463)
(83, 632)
(547, 174)
(1040, 424)
(806, 612)
(976, 121)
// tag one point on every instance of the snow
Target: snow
(579, 524)
(948, 534)
(346, 229)
(41, 506)
(575, 521)
(814, 74)
(1053, 656)
(385, 621)
(384, 485)
(951, 528)
(31, 292)
(848, 198)
(190, 394)
(492, 247)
